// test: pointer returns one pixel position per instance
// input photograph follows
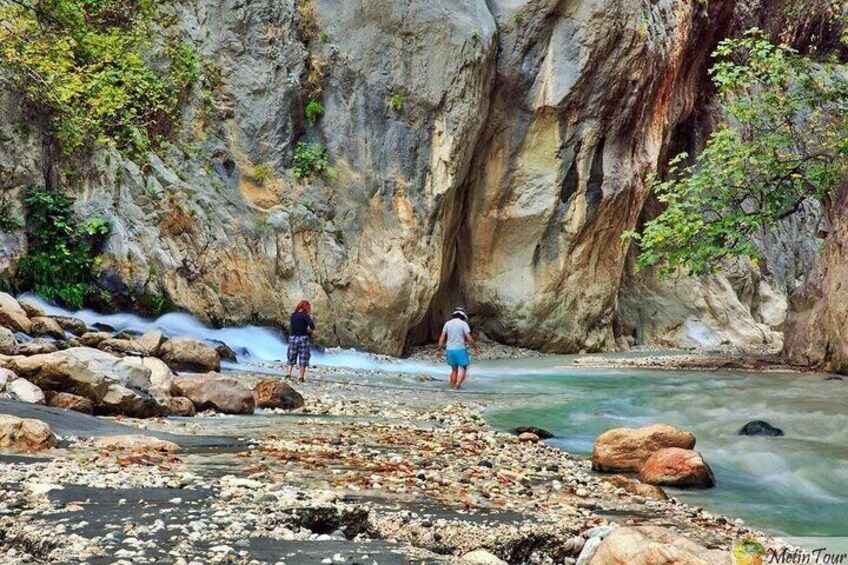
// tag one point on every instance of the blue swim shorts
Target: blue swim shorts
(457, 357)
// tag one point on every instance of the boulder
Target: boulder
(654, 545)
(541, 432)
(25, 391)
(482, 557)
(32, 309)
(135, 443)
(121, 400)
(626, 449)
(122, 346)
(760, 428)
(12, 315)
(44, 326)
(274, 393)
(182, 406)
(216, 392)
(82, 371)
(186, 354)
(151, 341)
(25, 434)
(38, 346)
(6, 376)
(676, 467)
(160, 373)
(528, 437)
(71, 324)
(8, 342)
(93, 339)
(225, 352)
(640, 489)
(68, 401)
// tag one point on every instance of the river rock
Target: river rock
(25, 391)
(151, 341)
(32, 309)
(6, 376)
(187, 354)
(71, 324)
(482, 557)
(216, 392)
(760, 428)
(44, 326)
(38, 346)
(25, 434)
(12, 315)
(654, 545)
(181, 406)
(225, 352)
(135, 443)
(93, 339)
(124, 346)
(68, 401)
(676, 467)
(638, 488)
(160, 373)
(121, 400)
(274, 393)
(626, 449)
(528, 437)
(541, 432)
(8, 342)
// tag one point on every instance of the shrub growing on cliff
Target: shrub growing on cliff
(785, 141)
(313, 111)
(310, 159)
(61, 250)
(93, 67)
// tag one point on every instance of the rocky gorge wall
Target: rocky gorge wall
(502, 180)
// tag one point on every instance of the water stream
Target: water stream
(795, 485)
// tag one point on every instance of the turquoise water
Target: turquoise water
(795, 485)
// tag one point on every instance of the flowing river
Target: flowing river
(795, 485)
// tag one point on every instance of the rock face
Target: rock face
(25, 434)
(653, 545)
(626, 449)
(186, 354)
(274, 393)
(216, 392)
(676, 467)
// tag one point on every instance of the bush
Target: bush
(313, 111)
(61, 251)
(261, 173)
(396, 102)
(310, 159)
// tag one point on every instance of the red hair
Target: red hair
(303, 306)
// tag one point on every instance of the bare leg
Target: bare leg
(463, 372)
(288, 371)
(302, 373)
(453, 377)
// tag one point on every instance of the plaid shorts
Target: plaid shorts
(299, 350)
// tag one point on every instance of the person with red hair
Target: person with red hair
(300, 333)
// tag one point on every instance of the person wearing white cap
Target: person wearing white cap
(456, 335)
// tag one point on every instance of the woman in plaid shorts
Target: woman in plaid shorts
(302, 327)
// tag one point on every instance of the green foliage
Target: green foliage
(313, 111)
(94, 69)
(61, 251)
(785, 141)
(8, 221)
(518, 17)
(261, 173)
(310, 159)
(475, 36)
(396, 101)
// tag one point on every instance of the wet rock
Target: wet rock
(677, 467)
(182, 406)
(528, 437)
(186, 354)
(653, 545)
(482, 557)
(151, 341)
(216, 392)
(25, 434)
(71, 324)
(93, 339)
(274, 393)
(121, 400)
(42, 326)
(135, 443)
(626, 449)
(541, 432)
(25, 391)
(641, 489)
(225, 352)
(38, 346)
(69, 401)
(760, 428)
(32, 309)
(12, 315)
(8, 342)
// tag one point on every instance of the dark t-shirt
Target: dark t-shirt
(300, 322)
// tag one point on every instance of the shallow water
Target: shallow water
(795, 485)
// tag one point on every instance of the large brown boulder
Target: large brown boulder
(25, 434)
(653, 545)
(123, 346)
(182, 406)
(274, 393)
(44, 326)
(676, 467)
(12, 315)
(93, 339)
(32, 309)
(121, 400)
(151, 341)
(8, 342)
(216, 392)
(68, 401)
(626, 449)
(187, 354)
(71, 324)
